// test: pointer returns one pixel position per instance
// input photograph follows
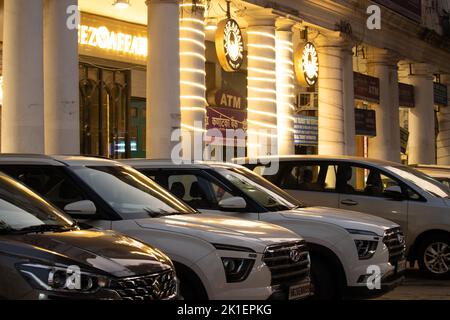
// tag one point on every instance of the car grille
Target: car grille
(161, 286)
(288, 262)
(395, 242)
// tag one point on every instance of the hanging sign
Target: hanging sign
(306, 62)
(306, 130)
(366, 88)
(440, 94)
(230, 45)
(406, 95)
(404, 137)
(365, 123)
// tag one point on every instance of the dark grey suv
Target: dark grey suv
(45, 255)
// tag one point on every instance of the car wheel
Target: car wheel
(322, 279)
(434, 256)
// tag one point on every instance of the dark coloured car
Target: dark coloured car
(44, 254)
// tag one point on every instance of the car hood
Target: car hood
(217, 229)
(104, 252)
(343, 218)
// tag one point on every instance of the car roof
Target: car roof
(167, 163)
(435, 171)
(55, 160)
(266, 159)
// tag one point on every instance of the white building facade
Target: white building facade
(152, 79)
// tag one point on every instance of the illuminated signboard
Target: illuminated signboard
(112, 39)
(307, 64)
(230, 45)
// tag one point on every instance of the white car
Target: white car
(215, 257)
(418, 203)
(346, 247)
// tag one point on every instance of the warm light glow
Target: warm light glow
(258, 58)
(193, 84)
(262, 99)
(193, 54)
(260, 70)
(191, 128)
(1, 90)
(261, 46)
(263, 124)
(203, 23)
(262, 79)
(229, 45)
(196, 42)
(198, 98)
(199, 32)
(122, 4)
(191, 70)
(262, 90)
(263, 113)
(262, 34)
(193, 109)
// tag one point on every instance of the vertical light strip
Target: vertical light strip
(285, 92)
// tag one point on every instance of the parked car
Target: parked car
(418, 203)
(215, 257)
(439, 173)
(344, 245)
(45, 255)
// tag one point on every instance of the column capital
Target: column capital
(260, 18)
(334, 39)
(384, 57)
(284, 24)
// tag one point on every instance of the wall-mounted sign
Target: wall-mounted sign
(307, 64)
(367, 88)
(411, 9)
(440, 94)
(306, 131)
(112, 39)
(227, 98)
(229, 45)
(365, 123)
(406, 95)
(404, 137)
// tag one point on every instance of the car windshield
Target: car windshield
(23, 210)
(422, 181)
(260, 190)
(131, 194)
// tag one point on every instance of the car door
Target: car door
(57, 186)
(369, 190)
(313, 183)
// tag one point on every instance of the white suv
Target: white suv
(215, 257)
(418, 203)
(346, 247)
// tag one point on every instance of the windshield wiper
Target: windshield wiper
(44, 228)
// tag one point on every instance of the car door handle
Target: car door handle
(349, 202)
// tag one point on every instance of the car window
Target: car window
(197, 191)
(51, 182)
(308, 177)
(359, 180)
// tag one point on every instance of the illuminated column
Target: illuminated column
(62, 118)
(386, 145)
(163, 75)
(23, 106)
(332, 124)
(192, 76)
(262, 89)
(443, 139)
(349, 100)
(422, 142)
(285, 87)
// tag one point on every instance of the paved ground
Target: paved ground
(416, 287)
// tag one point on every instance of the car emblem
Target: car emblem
(156, 289)
(295, 256)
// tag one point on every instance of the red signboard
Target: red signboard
(406, 95)
(367, 88)
(411, 9)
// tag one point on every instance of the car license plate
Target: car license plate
(401, 266)
(300, 291)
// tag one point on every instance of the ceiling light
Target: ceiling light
(122, 4)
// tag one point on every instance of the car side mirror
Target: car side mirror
(81, 208)
(233, 203)
(394, 192)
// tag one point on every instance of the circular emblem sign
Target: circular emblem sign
(229, 45)
(307, 64)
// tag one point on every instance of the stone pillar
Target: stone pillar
(262, 89)
(443, 139)
(333, 122)
(192, 75)
(163, 77)
(386, 145)
(349, 100)
(285, 86)
(422, 135)
(23, 106)
(61, 84)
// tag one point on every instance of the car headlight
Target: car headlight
(237, 269)
(366, 248)
(61, 278)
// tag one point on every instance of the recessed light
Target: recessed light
(122, 4)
